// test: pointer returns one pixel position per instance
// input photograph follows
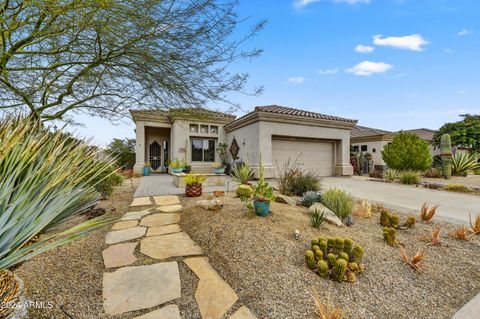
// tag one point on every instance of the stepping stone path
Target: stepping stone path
(129, 287)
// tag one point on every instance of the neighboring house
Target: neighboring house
(370, 140)
(271, 134)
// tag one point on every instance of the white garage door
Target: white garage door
(311, 155)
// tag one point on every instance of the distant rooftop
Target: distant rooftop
(363, 131)
(424, 133)
(159, 114)
(296, 112)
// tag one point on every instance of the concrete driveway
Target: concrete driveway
(454, 207)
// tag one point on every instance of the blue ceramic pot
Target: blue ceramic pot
(220, 170)
(146, 171)
(261, 208)
(177, 170)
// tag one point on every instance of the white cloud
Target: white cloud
(464, 32)
(367, 68)
(328, 72)
(414, 42)
(303, 3)
(364, 48)
(296, 79)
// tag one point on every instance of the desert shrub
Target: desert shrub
(123, 151)
(242, 174)
(338, 258)
(409, 177)
(376, 174)
(391, 174)
(292, 180)
(433, 173)
(407, 152)
(317, 218)
(338, 201)
(106, 181)
(457, 188)
(463, 163)
(43, 183)
(310, 198)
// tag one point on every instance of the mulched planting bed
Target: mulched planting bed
(265, 264)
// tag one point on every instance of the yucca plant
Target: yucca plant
(317, 218)
(45, 178)
(242, 174)
(462, 163)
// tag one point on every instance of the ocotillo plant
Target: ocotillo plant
(446, 154)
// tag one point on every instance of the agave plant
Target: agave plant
(242, 174)
(462, 163)
(45, 178)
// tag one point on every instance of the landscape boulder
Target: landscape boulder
(210, 204)
(280, 198)
(329, 216)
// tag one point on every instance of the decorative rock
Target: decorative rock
(160, 220)
(329, 216)
(125, 224)
(170, 208)
(210, 204)
(162, 230)
(243, 313)
(118, 236)
(167, 312)
(135, 215)
(141, 201)
(214, 296)
(140, 287)
(280, 198)
(119, 255)
(166, 200)
(171, 245)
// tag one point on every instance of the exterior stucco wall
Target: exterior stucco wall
(378, 146)
(256, 138)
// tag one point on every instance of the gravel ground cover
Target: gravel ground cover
(265, 265)
(71, 276)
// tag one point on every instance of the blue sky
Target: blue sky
(391, 64)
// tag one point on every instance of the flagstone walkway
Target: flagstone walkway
(142, 287)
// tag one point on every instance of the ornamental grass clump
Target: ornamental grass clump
(339, 202)
(292, 180)
(338, 258)
(409, 177)
(45, 178)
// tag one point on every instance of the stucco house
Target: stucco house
(370, 140)
(272, 134)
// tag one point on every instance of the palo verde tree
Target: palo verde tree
(464, 133)
(407, 152)
(103, 57)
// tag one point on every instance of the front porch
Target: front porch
(163, 184)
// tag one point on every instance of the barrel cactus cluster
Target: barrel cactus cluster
(390, 220)
(337, 258)
(244, 191)
(446, 155)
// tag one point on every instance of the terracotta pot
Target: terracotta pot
(193, 190)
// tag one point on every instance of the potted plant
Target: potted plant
(218, 168)
(223, 154)
(146, 169)
(187, 169)
(263, 194)
(193, 185)
(176, 166)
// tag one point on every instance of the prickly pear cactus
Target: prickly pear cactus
(446, 154)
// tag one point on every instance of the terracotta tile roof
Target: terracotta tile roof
(363, 131)
(424, 133)
(178, 112)
(296, 112)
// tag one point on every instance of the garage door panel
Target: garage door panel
(311, 155)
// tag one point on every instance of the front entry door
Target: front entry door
(155, 156)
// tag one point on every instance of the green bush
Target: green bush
(339, 202)
(42, 184)
(292, 180)
(106, 181)
(407, 152)
(391, 174)
(409, 177)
